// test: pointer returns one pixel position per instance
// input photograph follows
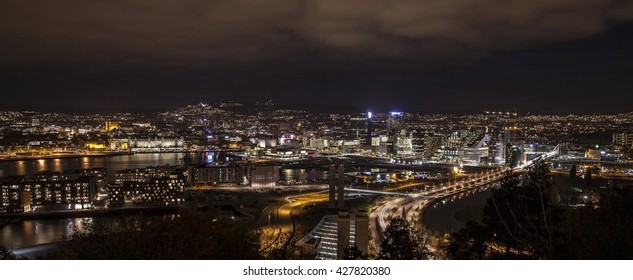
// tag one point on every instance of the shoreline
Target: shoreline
(33, 158)
(105, 154)
(90, 213)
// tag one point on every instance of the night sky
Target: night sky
(539, 56)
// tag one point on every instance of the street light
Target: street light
(268, 220)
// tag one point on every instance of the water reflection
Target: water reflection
(20, 169)
(114, 163)
(210, 157)
(33, 232)
(304, 176)
(28, 233)
(85, 163)
(441, 216)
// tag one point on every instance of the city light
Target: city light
(402, 165)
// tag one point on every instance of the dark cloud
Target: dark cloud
(422, 55)
(236, 31)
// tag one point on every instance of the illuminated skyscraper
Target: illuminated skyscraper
(369, 128)
(395, 122)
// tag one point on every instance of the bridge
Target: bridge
(374, 192)
(554, 152)
(380, 217)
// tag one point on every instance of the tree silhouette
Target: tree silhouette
(6, 254)
(526, 222)
(353, 253)
(588, 177)
(469, 243)
(192, 234)
(401, 242)
(528, 213)
(601, 233)
(572, 172)
(519, 221)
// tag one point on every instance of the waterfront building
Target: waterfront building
(63, 194)
(163, 191)
(10, 195)
(130, 175)
(264, 175)
(156, 144)
(214, 175)
(157, 191)
(18, 195)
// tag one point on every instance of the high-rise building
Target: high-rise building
(359, 125)
(514, 155)
(453, 148)
(370, 129)
(395, 122)
(395, 127)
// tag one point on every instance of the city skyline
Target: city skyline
(288, 130)
(540, 57)
(269, 167)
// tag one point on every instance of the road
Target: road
(279, 217)
(413, 205)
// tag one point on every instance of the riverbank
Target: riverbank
(450, 214)
(91, 213)
(62, 156)
(80, 154)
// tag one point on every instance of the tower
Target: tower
(369, 129)
(342, 233)
(341, 186)
(361, 232)
(332, 178)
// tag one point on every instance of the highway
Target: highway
(413, 205)
(279, 217)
